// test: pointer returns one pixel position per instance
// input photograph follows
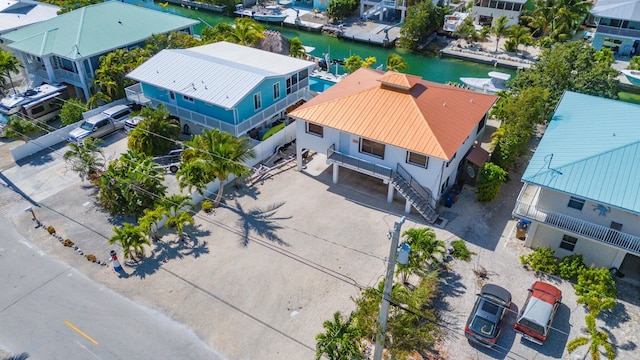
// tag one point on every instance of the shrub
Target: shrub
(51, 229)
(541, 259)
(460, 250)
(490, 181)
(91, 257)
(207, 206)
(595, 281)
(570, 266)
(71, 111)
(67, 243)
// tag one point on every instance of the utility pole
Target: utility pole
(386, 293)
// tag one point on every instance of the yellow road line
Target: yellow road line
(80, 332)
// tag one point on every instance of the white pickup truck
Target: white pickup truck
(102, 124)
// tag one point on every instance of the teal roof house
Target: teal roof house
(618, 26)
(582, 186)
(235, 88)
(67, 48)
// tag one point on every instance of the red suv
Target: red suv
(536, 316)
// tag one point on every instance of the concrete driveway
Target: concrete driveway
(264, 271)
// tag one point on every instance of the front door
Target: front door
(345, 140)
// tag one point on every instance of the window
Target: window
(172, 95)
(417, 159)
(568, 242)
(372, 148)
(315, 129)
(576, 203)
(276, 91)
(187, 98)
(122, 114)
(481, 124)
(257, 101)
(454, 156)
(37, 109)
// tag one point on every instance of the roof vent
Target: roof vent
(444, 103)
(471, 101)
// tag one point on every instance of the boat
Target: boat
(452, 22)
(285, 3)
(497, 81)
(633, 76)
(270, 14)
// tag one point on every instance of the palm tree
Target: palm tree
(296, 49)
(86, 159)
(214, 155)
(132, 239)
(20, 129)
(178, 208)
(340, 341)
(597, 338)
(520, 35)
(247, 32)
(8, 64)
(395, 62)
(155, 134)
(149, 221)
(500, 28)
(424, 248)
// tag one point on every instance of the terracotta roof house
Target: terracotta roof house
(581, 189)
(399, 128)
(67, 48)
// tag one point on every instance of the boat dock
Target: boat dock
(479, 54)
(197, 5)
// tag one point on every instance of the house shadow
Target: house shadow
(259, 221)
(42, 157)
(505, 341)
(558, 335)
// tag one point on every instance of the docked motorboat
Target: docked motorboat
(452, 22)
(270, 14)
(632, 75)
(497, 81)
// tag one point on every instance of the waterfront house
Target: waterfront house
(235, 88)
(67, 48)
(410, 133)
(618, 26)
(393, 10)
(581, 188)
(15, 14)
(485, 12)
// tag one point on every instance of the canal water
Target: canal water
(430, 67)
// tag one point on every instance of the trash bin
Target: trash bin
(521, 228)
(448, 199)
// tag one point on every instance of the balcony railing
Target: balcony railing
(67, 76)
(577, 226)
(134, 93)
(358, 164)
(615, 30)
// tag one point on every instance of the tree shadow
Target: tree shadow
(450, 286)
(22, 356)
(259, 221)
(164, 251)
(614, 317)
(627, 346)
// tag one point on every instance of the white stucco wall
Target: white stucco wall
(557, 201)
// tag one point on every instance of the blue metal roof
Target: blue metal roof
(591, 149)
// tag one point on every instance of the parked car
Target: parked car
(485, 322)
(102, 124)
(536, 316)
(132, 122)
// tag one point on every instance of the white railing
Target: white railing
(615, 30)
(578, 226)
(135, 94)
(65, 75)
(358, 164)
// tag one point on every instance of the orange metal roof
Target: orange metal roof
(400, 110)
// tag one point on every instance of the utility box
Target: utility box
(521, 228)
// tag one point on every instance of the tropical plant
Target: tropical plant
(634, 63)
(86, 158)
(340, 9)
(355, 62)
(341, 340)
(132, 239)
(178, 209)
(365, 317)
(156, 133)
(131, 184)
(596, 340)
(519, 35)
(500, 28)
(148, 222)
(460, 250)
(207, 206)
(296, 49)
(421, 21)
(571, 266)
(596, 288)
(8, 64)
(20, 129)
(395, 62)
(213, 155)
(246, 32)
(113, 67)
(425, 248)
(71, 111)
(542, 259)
(490, 181)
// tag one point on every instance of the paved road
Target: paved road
(50, 311)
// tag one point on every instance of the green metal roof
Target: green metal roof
(591, 149)
(94, 30)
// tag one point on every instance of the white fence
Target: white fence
(43, 142)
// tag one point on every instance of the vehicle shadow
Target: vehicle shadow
(558, 335)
